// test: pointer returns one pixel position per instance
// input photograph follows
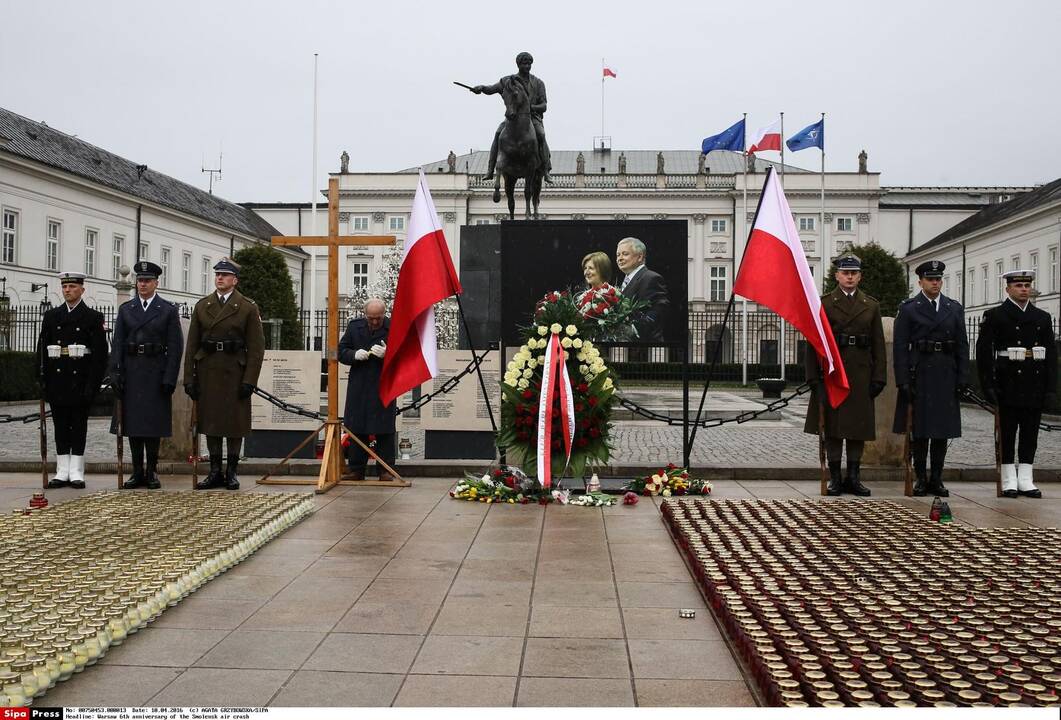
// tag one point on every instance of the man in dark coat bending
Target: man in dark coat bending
(363, 347)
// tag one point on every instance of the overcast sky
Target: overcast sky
(938, 93)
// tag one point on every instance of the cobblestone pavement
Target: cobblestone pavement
(760, 443)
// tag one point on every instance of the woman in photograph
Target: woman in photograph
(597, 270)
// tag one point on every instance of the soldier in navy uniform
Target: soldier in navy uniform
(147, 348)
(931, 356)
(72, 352)
(1016, 358)
(362, 347)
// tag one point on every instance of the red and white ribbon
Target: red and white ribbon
(555, 380)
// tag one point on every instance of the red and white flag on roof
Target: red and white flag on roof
(608, 72)
(775, 273)
(767, 138)
(426, 277)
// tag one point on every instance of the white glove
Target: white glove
(379, 351)
(361, 355)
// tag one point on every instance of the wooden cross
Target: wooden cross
(332, 463)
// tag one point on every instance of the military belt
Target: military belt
(144, 348)
(943, 346)
(66, 351)
(853, 340)
(212, 345)
(1028, 354)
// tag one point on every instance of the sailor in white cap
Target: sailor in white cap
(72, 352)
(1016, 358)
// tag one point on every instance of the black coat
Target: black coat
(146, 406)
(1026, 382)
(364, 413)
(72, 381)
(649, 286)
(935, 376)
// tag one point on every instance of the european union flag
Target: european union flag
(810, 136)
(732, 138)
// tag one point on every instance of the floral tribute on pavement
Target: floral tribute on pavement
(507, 484)
(671, 480)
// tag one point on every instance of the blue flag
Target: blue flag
(810, 136)
(732, 138)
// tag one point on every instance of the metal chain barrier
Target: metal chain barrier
(972, 397)
(26, 419)
(714, 422)
(447, 387)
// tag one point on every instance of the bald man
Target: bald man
(363, 347)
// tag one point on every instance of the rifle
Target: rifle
(908, 468)
(44, 446)
(195, 443)
(824, 489)
(121, 429)
(998, 455)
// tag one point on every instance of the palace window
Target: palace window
(844, 224)
(186, 271)
(163, 262)
(117, 254)
(806, 224)
(91, 236)
(718, 290)
(718, 226)
(9, 240)
(51, 245)
(359, 223)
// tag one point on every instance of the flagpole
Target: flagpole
(743, 300)
(313, 221)
(781, 343)
(602, 99)
(725, 320)
(821, 218)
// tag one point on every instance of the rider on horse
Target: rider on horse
(536, 91)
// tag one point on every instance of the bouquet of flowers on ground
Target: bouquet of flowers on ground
(507, 484)
(671, 480)
(592, 390)
(608, 315)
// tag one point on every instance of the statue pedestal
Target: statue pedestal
(887, 449)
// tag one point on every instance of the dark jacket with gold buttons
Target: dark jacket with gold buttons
(67, 380)
(1019, 383)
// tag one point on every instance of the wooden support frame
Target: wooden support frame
(331, 469)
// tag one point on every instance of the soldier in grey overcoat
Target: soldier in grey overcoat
(1016, 357)
(146, 351)
(363, 347)
(226, 347)
(855, 320)
(931, 355)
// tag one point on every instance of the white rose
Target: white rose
(581, 368)
(511, 382)
(571, 330)
(522, 384)
(555, 328)
(542, 330)
(532, 363)
(566, 342)
(581, 357)
(577, 342)
(532, 344)
(528, 373)
(608, 384)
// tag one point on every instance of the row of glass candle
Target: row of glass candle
(64, 640)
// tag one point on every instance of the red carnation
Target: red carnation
(582, 442)
(498, 473)
(527, 394)
(582, 387)
(579, 407)
(595, 432)
(592, 400)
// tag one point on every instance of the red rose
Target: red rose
(579, 407)
(595, 432)
(527, 394)
(592, 400)
(630, 498)
(671, 466)
(582, 442)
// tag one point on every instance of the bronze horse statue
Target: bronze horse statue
(517, 155)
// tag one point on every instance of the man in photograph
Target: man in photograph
(641, 283)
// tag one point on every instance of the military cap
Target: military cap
(1019, 276)
(227, 265)
(930, 269)
(72, 277)
(849, 262)
(145, 269)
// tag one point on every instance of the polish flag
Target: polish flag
(767, 138)
(425, 278)
(774, 273)
(608, 72)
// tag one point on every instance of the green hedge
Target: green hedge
(18, 376)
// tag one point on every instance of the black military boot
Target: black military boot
(231, 479)
(136, 479)
(853, 483)
(151, 478)
(921, 482)
(215, 479)
(935, 483)
(836, 484)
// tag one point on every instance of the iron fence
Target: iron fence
(759, 340)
